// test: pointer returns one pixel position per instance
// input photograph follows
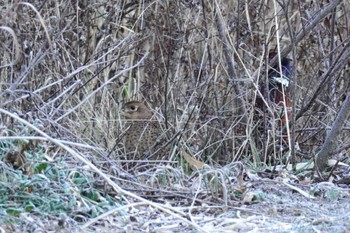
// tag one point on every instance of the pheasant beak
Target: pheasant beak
(123, 112)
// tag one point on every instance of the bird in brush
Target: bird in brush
(144, 138)
(278, 83)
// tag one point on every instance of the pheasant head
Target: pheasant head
(280, 76)
(136, 110)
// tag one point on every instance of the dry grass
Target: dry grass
(67, 67)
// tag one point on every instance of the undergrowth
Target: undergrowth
(67, 67)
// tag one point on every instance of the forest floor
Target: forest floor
(279, 209)
(259, 203)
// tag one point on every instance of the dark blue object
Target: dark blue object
(278, 77)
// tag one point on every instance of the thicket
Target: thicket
(67, 67)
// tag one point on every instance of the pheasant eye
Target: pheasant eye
(133, 108)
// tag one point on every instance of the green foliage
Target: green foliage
(44, 187)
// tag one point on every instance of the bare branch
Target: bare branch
(330, 143)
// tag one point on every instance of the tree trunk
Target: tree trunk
(331, 139)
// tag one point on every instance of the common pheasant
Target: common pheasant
(277, 90)
(144, 138)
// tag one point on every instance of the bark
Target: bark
(331, 140)
(227, 50)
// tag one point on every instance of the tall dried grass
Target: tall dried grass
(67, 66)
